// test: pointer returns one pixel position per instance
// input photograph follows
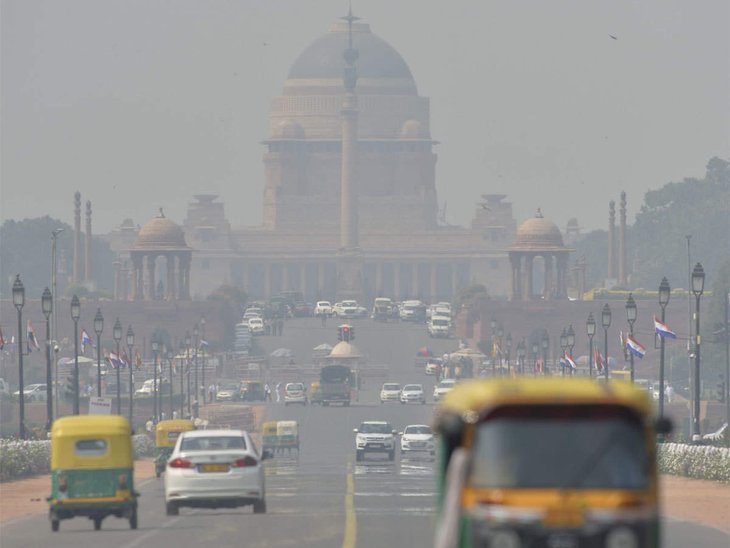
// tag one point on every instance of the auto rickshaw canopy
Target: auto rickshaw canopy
(164, 428)
(91, 441)
(473, 399)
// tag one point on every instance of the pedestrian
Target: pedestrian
(211, 392)
(162, 416)
(267, 392)
(278, 393)
(174, 414)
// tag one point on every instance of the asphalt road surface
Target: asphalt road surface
(321, 497)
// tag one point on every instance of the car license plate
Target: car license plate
(214, 468)
(376, 445)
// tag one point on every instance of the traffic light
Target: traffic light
(346, 333)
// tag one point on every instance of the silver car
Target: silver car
(213, 469)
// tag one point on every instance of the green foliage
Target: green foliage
(234, 300)
(694, 461)
(25, 249)
(468, 293)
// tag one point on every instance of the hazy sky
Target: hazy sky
(143, 103)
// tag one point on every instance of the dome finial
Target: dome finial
(539, 215)
(351, 54)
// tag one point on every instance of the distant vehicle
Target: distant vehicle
(439, 326)
(256, 326)
(390, 392)
(334, 384)
(374, 437)
(442, 388)
(33, 392)
(294, 392)
(214, 469)
(413, 311)
(345, 309)
(361, 312)
(433, 366)
(228, 391)
(383, 309)
(302, 309)
(323, 308)
(147, 387)
(412, 393)
(417, 438)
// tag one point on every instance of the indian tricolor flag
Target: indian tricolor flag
(663, 330)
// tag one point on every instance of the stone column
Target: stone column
(378, 278)
(180, 278)
(548, 290)
(285, 277)
(434, 267)
(320, 279)
(151, 281)
(267, 280)
(170, 257)
(125, 272)
(136, 267)
(562, 273)
(515, 260)
(396, 281)
(76, 276)
(454, 281)
(611, 240)
(117, 279)
(87, 247)
(303, 278)
(527, 287)
(622, 277)
(415, 289)
(185, 270)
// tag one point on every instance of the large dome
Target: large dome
(323, 57)
(160, 233)
(538, 234)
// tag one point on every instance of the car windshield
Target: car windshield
(412, 387)
(417, 430)
(561, 448)
(391, 386)
(295, 386)
(212, 443)
(349, 303)
(440, 322)
(446, 384)
(375, 428)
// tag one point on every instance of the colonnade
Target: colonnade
(555, 275)
(143, 276)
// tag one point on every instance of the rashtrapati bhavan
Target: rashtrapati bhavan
(350, 205)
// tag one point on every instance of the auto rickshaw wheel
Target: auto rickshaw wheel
(259, 507)
(55, 524)
(97, 523)
(172, 509)
(132, 520)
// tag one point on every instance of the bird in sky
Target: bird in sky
(612, 36)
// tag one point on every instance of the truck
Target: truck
(382, 309)
(334, 384)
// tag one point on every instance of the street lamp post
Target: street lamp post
(196, 338)
(590, 331)
(509, 352)
(130, 361)
(571, 344)
(631, 317)
(187, 346)
(155, 350)
(202, 338)
(47, 307)
(117, 335)
(698, 286)
(54, 293)
(664, 294)
(98, 329)
(75, 314)
(563, 347)
(545, 343)
(170, 355)
(605, 323)
(19, 302)
(182, 389)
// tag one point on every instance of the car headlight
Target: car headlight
(621, 537)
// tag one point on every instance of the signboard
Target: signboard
(100, 406)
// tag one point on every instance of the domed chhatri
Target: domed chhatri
(538, 234)
(413, 129)
(160, 233)
(345, 350)
(377, 59)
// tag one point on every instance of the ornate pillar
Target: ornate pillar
(432, 298)
(515, 260)
(170, 257)
(611, 240)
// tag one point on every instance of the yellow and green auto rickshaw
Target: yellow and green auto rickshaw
(166, 435)
(92, 471)
(287, 433)
(548, 462)
(269, 437)
(315, 393)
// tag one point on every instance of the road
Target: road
(321, 498)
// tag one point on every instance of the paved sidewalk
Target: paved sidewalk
(700, 501)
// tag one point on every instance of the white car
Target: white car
(33, 392)
(345, 309)
(390, 392)
(433, 366)
(412, 393)
(440, 390)
(294, 392)
(323, 308)
(214, 469)
(374, 437)
(439, 326)
(256, 326)
(417, 438)
(229, 391)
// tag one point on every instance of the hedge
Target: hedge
(694, 461)
(19, 459)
